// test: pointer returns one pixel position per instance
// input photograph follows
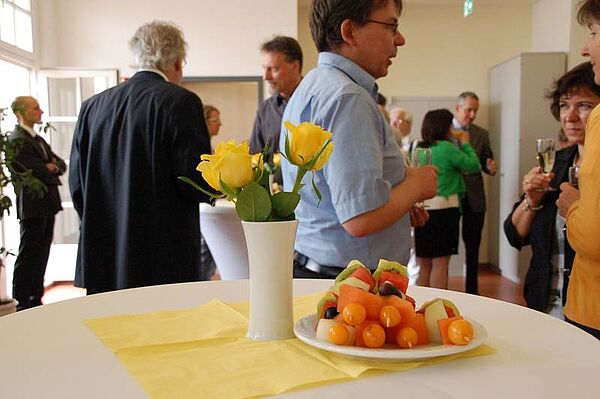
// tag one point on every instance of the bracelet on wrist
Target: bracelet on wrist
(528, 206)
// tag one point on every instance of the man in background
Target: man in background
(401, 124)
(282, 70)
(473, 203)
(36, 213)
(139, 223)
(368, 195)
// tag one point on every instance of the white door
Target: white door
(61, 93)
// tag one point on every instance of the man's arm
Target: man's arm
(365, 202)
(486, 158)
(420, 184)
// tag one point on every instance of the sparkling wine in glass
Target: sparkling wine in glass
(545, 154)
(421, 156)
(574, 176)
(545, 157)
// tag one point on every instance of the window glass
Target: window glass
(7, 23)
(62, 96)
(24, 4)
(23, 29)
(14, 81)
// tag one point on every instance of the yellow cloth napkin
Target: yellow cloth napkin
(203, 353)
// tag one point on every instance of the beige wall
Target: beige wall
(223, 36)
(550, 30)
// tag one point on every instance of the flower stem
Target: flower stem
(299, 177)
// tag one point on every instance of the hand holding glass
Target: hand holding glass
(545, 157)
(420, 157)
(574, 176)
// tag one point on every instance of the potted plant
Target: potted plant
(11, 172)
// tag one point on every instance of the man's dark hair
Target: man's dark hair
(326, 17)
(288, 46)
(578, 78)
(436, 126)
(589, 12)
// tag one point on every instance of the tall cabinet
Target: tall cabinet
(519, 113)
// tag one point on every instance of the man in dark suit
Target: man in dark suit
(139, 223)
(35, 212)
(473, 204)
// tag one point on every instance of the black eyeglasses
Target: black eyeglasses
(393, 27)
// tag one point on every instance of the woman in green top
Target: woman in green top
(452, 154)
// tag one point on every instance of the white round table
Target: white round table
(48, 352)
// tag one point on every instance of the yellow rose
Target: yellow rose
(231, 162)
(306, 141)
(257, 161)
(277, 159)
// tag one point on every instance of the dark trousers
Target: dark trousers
(589, 330)
(472, 225)
(325, 272)
(30, 266)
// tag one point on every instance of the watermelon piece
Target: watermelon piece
(364, 274)
(444, 324)
(371, 302)
(393, 267)
(399, 281)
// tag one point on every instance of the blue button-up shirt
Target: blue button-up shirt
(365, 164)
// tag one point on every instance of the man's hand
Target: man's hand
(418, 216)
(52, 168)
(568, 195)
(426, 178)
(491, 166)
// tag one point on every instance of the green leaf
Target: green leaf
(253, 203)
(228, 191)
(197, 187)
(316, 189)
(284, 203)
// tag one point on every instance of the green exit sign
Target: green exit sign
(468, 9)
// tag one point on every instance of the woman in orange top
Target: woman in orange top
(582, 208)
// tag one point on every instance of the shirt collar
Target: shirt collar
(458, 126)
(350, 68)
(159, 72)
(28, 130)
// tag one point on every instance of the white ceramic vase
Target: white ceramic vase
(270, 257)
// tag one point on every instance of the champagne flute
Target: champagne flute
(545, 157)
(574, 176)
(421, 156)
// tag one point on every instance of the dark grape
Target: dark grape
(330, 313)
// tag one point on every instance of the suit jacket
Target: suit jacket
(475, 194)
(139, 223)
(541, 236)
(34, 154)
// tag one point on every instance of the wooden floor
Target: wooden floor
(491, 285)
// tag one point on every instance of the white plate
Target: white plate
(305, 330)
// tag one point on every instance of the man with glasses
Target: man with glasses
(368, 193)
(139, 223)
(282, 70)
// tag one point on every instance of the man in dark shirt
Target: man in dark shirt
(282, 66)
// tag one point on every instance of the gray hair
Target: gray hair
(158, 45)
(402, 113)
(464, 95)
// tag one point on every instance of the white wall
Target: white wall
(223, 36)
(551, 25)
